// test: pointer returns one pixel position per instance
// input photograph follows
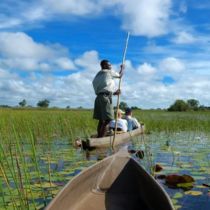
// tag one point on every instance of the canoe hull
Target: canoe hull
(115, 183)
(107, 141)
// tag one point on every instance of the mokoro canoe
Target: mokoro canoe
(107, 141)
(118, 182)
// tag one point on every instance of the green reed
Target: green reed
(47, 123)
(2, 190)
(23, 171)
(7, 172)
(35, 161)
(174, 121)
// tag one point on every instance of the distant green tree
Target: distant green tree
(23, 103)
(43, 103)
(202, 108)
(134, 107)
(179, 105)
(193, 104)
(5, 106)
(123, 105)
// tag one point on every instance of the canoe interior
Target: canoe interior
(115, 183)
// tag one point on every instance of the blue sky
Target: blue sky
(52, 49)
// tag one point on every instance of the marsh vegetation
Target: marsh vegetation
(37, 156)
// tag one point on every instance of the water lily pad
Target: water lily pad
(193, 192)
(178, 195)
(176, 152)
(45, 184)
(177, 207)
(200, 186)
(55, 192)
(170, 169)
(196, 177)
(185, 165)
(203, 169)
(185, 185)
(35, 194)
(174, 201)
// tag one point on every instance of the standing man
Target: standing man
(104, 85)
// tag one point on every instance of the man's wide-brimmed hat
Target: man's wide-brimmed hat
(120, 111)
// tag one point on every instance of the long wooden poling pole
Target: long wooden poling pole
(119, 88)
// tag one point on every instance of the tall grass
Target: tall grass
(71, 123)
(46, 123)
(174, 121)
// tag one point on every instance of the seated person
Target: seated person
(132, 121)
(122, 124)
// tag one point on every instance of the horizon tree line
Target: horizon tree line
(179, 105)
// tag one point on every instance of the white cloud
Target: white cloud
(192, 86)
(35, 13)
(172, 65)
(73, 7)
(146, 69)
(9, 22)
(89, 61)
(76, 89)
(146, 17)
(199, 66)
(19, 44)
(12, 88)
(184, 38)
(65, 63)
(19, 63)
(20, 51)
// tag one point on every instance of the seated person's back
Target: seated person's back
(122, 124)
(132, 121)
